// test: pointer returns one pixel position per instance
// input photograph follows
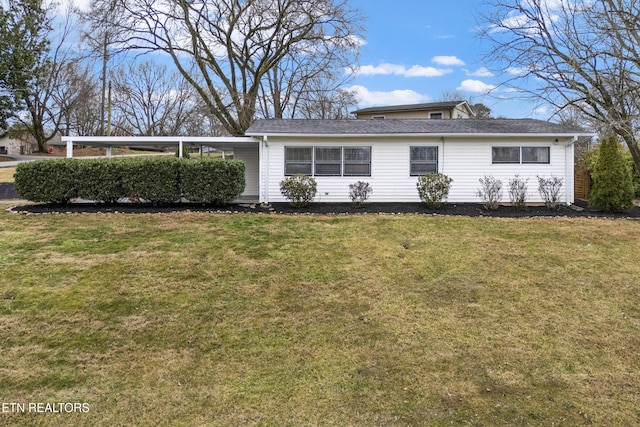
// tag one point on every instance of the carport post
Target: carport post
(180, 149)
(69, 148)
(109, 151)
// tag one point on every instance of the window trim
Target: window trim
(429, 162)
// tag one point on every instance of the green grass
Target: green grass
(199, 319)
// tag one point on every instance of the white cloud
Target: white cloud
(382, 69)
(475, 86)
(515, 71)
(420, 71)
(369, 98)
(481, 72)
(386, 69)
(448, 60)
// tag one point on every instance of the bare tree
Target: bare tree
(319, 103)
(76, 95)
(579, 53)
(151, 100)
(225, 48)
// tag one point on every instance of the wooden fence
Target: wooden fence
(582, 184)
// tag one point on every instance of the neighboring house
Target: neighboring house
(21, 143)
(433, 110)
(390, 154)
(15, 146)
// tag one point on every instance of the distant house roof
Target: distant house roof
(414, 107)
(477, 127)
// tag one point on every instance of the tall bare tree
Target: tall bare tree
(579, 53)
(226, 48)
(151, 100)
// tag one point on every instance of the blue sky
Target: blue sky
(416, 50)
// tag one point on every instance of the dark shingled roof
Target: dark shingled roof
(410, 126)
(410, 107)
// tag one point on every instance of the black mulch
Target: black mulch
(460, 209)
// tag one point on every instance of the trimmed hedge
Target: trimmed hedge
(212, 181)
(51, 181)
(154, 180)
(101, 180)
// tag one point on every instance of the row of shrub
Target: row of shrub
(154, 180)
(433, 190)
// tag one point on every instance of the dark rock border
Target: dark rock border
(580, 209)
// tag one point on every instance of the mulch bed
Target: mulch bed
(580, 209)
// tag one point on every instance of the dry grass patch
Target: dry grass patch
(6, 174)
(200, 319)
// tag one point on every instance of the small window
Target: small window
(535, 155)
(3, 150)
(505, 154)
(377, 117)
(328, 161)
(435, 116)
(357, 161)
(424, 160)
(297, 160)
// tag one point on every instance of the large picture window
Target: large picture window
(423, 160)
(328, 161)
(520, 155)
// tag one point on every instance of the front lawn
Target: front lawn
(208, 319)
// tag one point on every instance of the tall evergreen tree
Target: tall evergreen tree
(612, 189)
(23, 50)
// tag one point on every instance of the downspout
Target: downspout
(264, 170)
(442, 168)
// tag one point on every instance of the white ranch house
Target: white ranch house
(388, 154)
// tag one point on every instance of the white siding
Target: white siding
(251, 161)
(465, 161)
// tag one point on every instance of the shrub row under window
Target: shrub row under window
(154, 180)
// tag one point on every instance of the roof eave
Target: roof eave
(418, 135)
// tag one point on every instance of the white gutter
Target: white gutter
(423, 135)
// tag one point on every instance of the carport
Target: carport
(245, 149)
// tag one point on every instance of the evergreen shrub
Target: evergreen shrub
(212, 180)
(299, 190)
(612, 189)
(49, 181)
(433, 189)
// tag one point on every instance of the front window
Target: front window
(505, 154)
(297, 160)
(328, 161)
(424, 160)
(436, 116)
(519, 155)
(357, 161)
(535, 155)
